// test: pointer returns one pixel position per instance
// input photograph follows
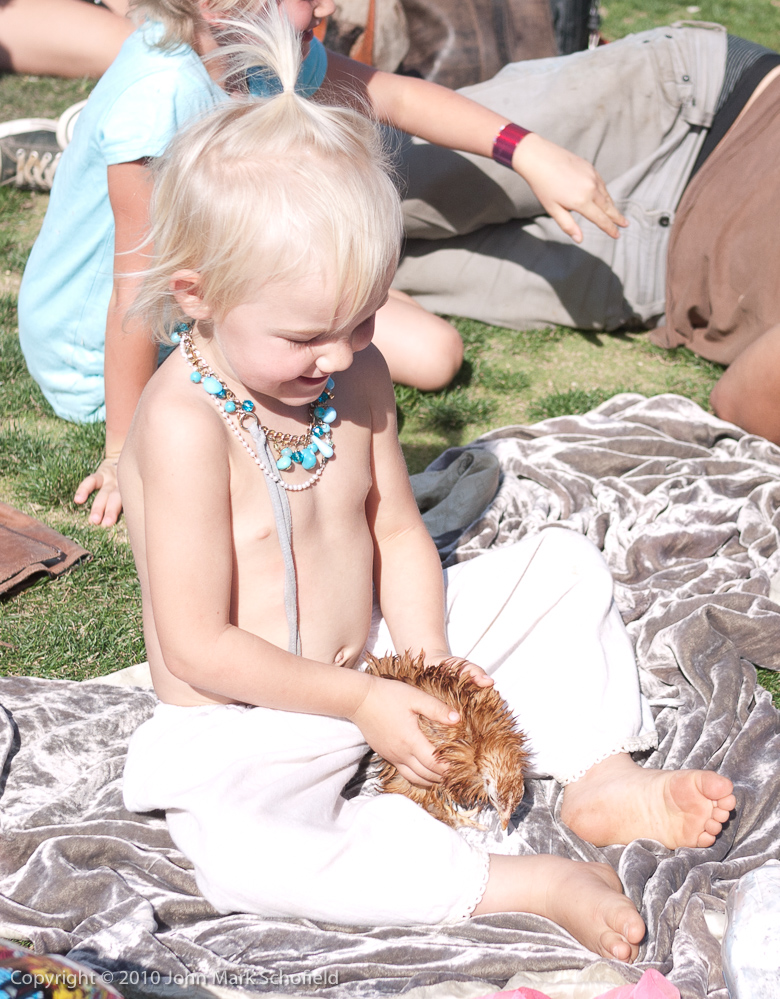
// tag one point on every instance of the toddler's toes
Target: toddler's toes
(727, 804)
(615, 945)
(716, 787)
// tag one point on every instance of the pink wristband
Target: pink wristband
(506, 142)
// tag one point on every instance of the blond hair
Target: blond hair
(272, 189)
(181, 18)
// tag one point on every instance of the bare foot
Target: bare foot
(586, 899)
(618, 801)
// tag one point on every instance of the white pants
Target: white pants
(253, 795)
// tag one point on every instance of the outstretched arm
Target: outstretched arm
(562, 181)
(130, 354)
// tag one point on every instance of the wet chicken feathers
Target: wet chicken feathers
(484, 750)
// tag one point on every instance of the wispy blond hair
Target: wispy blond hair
(181, 18)
(272, 189)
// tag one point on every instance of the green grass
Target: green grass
(512, 377)
(88, 622)
(758, 20)
(84, 624)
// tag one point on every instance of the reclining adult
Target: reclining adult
(675, 120)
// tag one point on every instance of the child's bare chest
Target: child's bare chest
(326, 530)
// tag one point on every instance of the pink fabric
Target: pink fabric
(652, 985)
(517, 994)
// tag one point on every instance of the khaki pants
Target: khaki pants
(479, 244)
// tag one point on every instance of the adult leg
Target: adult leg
(59, 37)
(747, 394)
(638, 109)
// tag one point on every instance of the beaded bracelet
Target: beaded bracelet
(505, 143)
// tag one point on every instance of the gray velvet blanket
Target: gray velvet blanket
(686, 510)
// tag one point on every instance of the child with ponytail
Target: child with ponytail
(266, 497)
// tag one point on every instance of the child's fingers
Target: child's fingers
(566, 222)
(601, 217)
(85, 488)
(107, 504)
(434, 709)
(418, 774)
(612, 211)
(477, 674)
(106, 508)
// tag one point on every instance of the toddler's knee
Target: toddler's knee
(444, 357)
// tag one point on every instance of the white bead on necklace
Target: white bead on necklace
(317, 441)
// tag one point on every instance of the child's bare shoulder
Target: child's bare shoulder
(368, 380)
(174, 422)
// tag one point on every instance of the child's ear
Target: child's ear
(185, 286)
(209, 16)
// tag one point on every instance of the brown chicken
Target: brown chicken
(484, 750)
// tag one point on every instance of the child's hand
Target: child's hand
(477, 674)
(107, 505)
(564, 183)
(387, 717)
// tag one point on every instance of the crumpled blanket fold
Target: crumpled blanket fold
(686, 509)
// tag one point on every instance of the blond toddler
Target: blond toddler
(277, 538)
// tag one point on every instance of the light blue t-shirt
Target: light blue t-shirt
(138, 105)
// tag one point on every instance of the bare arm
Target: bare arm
(407, 570)
(130, 354)
(61, 37)
(562, 181)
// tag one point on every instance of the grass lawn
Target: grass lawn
(89, 622)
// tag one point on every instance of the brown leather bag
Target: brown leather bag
(29, 548)
(460, 42)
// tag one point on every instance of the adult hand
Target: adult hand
(388, 718)
(107, 505)
(564, 183)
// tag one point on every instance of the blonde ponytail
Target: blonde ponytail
(272, 189)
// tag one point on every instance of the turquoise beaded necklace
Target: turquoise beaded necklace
(311, 450)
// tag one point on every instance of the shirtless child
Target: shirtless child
(276, 231)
